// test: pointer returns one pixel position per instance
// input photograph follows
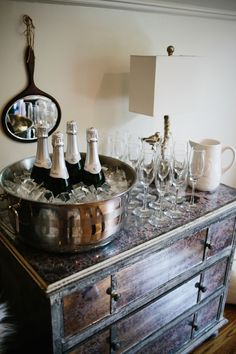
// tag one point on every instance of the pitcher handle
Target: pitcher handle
(224, 169)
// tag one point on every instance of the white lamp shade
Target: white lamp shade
(165, 84)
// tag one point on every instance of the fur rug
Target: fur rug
(6, 329)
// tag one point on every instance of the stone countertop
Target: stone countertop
(53, 268)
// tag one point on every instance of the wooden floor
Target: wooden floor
(225, 342)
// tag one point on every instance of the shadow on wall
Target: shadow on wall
(104, 87)
(111, 103)
(114, 85)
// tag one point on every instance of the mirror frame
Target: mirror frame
(30, 90)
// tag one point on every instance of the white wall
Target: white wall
(82, 59)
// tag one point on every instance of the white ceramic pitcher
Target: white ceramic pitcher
(213, 169)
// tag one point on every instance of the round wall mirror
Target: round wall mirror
(22, 115)
(32, 106)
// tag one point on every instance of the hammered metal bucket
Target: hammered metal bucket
(63, 227)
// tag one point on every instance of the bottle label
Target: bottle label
(94, 168)
(42, 156)
(73, 159)
(72, 155)
(58, 169)
(56, 173)
(92, 162)
(44, 164)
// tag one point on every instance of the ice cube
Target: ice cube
(26, 187)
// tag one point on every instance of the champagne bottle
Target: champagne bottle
(92, 173)
(58, 180)
(72, 157)
(41, 168)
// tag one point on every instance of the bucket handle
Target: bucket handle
(13, 209)
(3, 196)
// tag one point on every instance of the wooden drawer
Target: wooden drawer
(98, 344)
(171, 341)
(135, 327)
(213, 278)
(220, 236)
(206, 316)
(86, 306)
(146, 275)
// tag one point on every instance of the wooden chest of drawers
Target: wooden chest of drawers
(149, 291)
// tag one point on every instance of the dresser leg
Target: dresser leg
(215, 334)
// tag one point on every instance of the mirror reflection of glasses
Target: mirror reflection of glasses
(25, 113)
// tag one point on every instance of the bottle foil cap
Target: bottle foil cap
(57, 139)
(92, 134)
(71, 127)
(42, 131)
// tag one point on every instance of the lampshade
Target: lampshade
(166, 84)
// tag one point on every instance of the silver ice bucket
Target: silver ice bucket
(63, 227)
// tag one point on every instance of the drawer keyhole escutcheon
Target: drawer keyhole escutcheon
(202, 288)
(114, 295)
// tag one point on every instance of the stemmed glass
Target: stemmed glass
(106, 144)
(145, 175)
(134, 150)
(119, 148)
(196, 168)
(133, 157)
(162, 181)
(114, 145)
(179, 178)
(145, 146)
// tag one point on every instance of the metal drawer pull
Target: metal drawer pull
(115, 346)
(193, 325)
(113, 294)
(202, 288)
(208, 245)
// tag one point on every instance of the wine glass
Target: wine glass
(196, 168)
(146, 147)
(133, 155)
(179, 178)
(119, 148)
(145, 173)
(165, 151)
(106, 144)
(162, 181)
(134, 150)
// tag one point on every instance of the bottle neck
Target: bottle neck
(72, 150)
(42, 155)
(92, 162)
(58, 169)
